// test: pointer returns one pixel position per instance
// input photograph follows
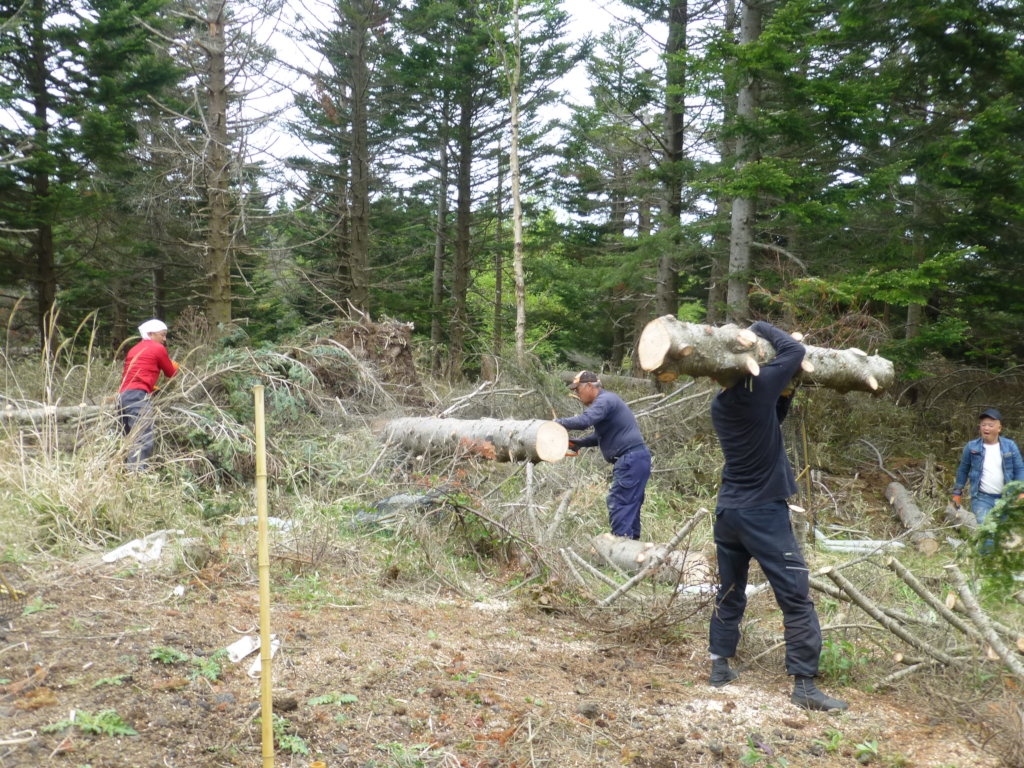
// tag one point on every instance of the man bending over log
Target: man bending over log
(617, 434)
(752, 520)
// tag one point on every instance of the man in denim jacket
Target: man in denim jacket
(987, 464)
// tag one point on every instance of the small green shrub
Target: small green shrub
(106, 723)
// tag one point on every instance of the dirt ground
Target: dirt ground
(400, 681)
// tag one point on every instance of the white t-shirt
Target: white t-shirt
(992, 470)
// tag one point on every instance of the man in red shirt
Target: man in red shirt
(142, 368)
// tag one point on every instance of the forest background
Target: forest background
(851, 169)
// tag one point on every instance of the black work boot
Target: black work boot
(721, 673)
(807, 696)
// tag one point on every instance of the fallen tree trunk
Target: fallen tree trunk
(47, 413)
(498, 439)
(913, 519)
(727, 354)
(631, 556)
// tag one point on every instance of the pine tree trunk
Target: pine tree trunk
(359, 265)
(498, 439)
(744, 206)
(437, 288)
(460, 278)
(218, 253)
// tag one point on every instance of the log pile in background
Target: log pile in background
(498, 439)
(670, 348)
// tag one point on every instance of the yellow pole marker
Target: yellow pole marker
(263, 560)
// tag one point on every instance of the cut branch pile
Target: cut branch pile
(499, 439)
(671, 348)
(950, 640)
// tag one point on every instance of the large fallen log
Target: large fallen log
(47, 413)
(498, 439)
(913, 519)
(670, 348)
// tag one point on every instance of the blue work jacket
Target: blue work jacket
(974, 457)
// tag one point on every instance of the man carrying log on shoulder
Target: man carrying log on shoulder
(618, 436)
(752, 521)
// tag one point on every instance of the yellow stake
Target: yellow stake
(263, 560)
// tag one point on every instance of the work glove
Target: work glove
(573, 449)
(956, 499)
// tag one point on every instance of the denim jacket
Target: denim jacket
(974, 457)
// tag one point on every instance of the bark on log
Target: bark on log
(961, 518)
(630, 556)
(669, 348)
(913, 519)
(47, 413)
(980, 620)
(498, 439)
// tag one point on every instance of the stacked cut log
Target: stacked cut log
(670, 348)
(502, 440)
(913, 519)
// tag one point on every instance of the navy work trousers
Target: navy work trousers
(630, 474)
(135, 412)
(765, 534)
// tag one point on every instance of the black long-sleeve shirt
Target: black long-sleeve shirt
(748, 417)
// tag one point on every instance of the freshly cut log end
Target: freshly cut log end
(654, 345)
(668, 376)
(807, 366)
(746, 338)
(552, 442)
(752, 367)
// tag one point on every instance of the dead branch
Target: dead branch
(861, 600)
(937, 605)
(980, 620)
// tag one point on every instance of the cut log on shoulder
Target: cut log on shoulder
(47, 413)
(728, 353)
(913, 519)
(630, 556)
(960, 518)
(498, 439)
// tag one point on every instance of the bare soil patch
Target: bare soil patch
(400, 680)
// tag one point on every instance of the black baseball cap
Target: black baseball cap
(991, 413)
(584, 377)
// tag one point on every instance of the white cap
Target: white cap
(151, 326)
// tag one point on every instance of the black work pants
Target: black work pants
(765, 534)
